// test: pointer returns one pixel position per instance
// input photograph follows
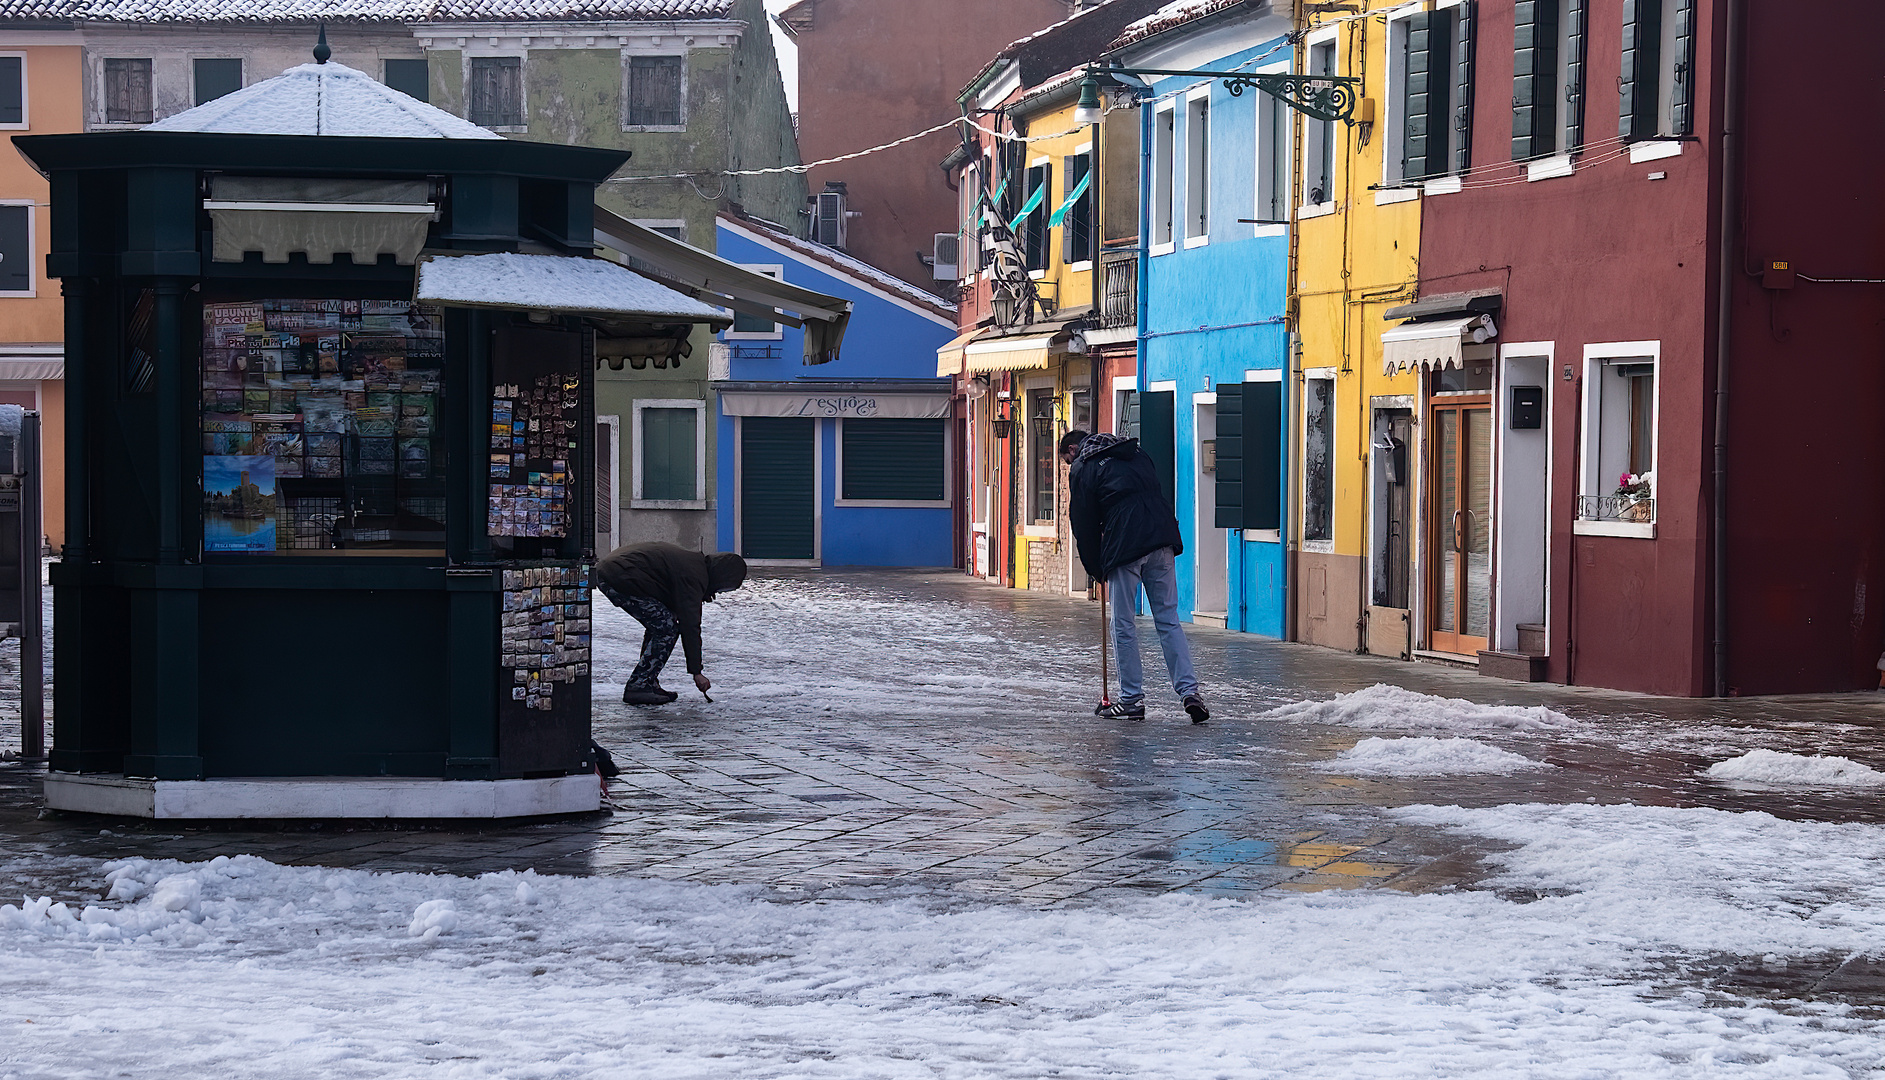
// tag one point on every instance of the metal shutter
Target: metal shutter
(893, 460)
(776, 487)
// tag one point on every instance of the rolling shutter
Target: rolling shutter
(1463, 87)
(893, 460)
(1417, 99)
(1636, 86)
(1682, 91)
(1534, 71)
(1159, 437)
(1577, 23)
(776, 487)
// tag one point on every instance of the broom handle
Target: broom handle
(1104, 634)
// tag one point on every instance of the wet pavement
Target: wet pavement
(919, 729)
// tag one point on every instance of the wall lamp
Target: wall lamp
(1323, 97)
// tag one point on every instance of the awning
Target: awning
(716, 281)
(1435, 344)
(1014, 353)
(865, 405)
(949, 357)
(32, 362)
(558, 283)
(279, 216)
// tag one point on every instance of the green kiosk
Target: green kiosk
(329, 364)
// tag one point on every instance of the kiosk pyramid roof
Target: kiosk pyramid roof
(323, 99)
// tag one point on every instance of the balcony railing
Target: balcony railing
(1633, 508)
(1119, 289)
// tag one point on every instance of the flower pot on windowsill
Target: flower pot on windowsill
(1638, 510)
(1002, 428)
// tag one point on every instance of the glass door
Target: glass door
(1460, 588)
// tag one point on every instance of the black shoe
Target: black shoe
(1195, 706)
(605, 761)
(1121, 710)
(647, 695)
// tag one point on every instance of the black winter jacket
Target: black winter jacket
(1115, 505)
(679, 578)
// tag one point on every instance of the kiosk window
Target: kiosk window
(320, 427)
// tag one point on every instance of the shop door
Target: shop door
(1461, 576)
(777, 489)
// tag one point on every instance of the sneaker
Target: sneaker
(647, 695)
(1121, 710)
(1195, 706)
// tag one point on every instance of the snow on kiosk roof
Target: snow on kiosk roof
(323, 99)
(555, 283)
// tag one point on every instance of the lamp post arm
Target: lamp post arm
(1324, 97)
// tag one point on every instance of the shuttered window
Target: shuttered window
(1076, 238)
(1033, 231)
(1573, 34)
(1425, 100)
(217, 78)
(667, 452)
(12, 90)
(1464, 47)
(16, 249)
(1534, 79)
(410, 77)
(497, 91)
(655, 85)
(1249, 455)
(1658, 79)
(893, 460)
(128, 91)
(1158, 436)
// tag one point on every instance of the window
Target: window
(128, 91)
(656, 86)
(1658, 79)
(1032, 235)
(1319, 137)
(1273, 137)
(1318, 467)
(893, 461)
(410, 77)
(1548, 78)
(1249, 455)
(754, 327)
(1163, 138)
(1198, 167)
(13, 91)
(16, 248)
(670, 454)
(1043, 465)
(1075, 215)
(217, 78)
(497, 92)
(1430, 78)
(1617, 473)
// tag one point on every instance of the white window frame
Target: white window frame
(1030, 527)
(1666, 74)
(946, 501)
(1590, 449)
(636, 502)
(1197, 156)
(1161, 213)
(1122, 385)
(26, 99)
(1316, 130)
(1324, 374)
(685, 66)
(523, 86)
(612, 453)
(775, 271)
(1394, 103)
(32, 251)
(1273, 118)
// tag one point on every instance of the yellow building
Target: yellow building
(41, 92)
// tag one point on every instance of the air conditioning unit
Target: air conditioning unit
(948, 257)
(828, 225)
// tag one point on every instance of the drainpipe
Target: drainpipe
(1724, 327)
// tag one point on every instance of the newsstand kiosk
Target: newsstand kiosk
(329, 355)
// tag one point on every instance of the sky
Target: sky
(788, 54)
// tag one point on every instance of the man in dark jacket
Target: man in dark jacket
(1127, 537)
(662, 586)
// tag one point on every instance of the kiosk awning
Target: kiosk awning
(559, 283)
(716, 281)
(1435, 344)
(949, 357)
(1014, 353)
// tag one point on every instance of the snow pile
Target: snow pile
(1425, 756)
(305, 972)
(1795, 770)
(1384, 707)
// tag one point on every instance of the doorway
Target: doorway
(1210, 598)
(778, 488)
(1460, 574)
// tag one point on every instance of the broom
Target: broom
(1104, 635)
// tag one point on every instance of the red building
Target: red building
(1660, 221)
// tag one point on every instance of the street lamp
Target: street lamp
(1324, 97)
(1088, 109)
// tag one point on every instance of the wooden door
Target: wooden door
(1460, 521)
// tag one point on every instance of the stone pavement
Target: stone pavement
(1010, 799)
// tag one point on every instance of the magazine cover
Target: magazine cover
(238, 503)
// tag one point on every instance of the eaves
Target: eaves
(698, 33)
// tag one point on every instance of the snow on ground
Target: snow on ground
(1795, 770)
(239, 967)
(1425, 756)
(1392, 708)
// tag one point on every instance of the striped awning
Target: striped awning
(1014, 353)
(1426, 346)
(949, 357)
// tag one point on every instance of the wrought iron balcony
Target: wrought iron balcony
(1119, 289)
(1633, 508)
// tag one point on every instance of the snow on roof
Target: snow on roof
(553, 283)
(850, 265)
(305, 11)
(323, 99)
(1174, 14)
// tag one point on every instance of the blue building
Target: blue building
(852, 463)
(1214, 199)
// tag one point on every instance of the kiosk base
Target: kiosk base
(326, 797)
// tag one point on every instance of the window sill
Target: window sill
(15, 127)
(1164, 249)
(1442, 185)
(1388, 196)
(507, 129)
(1038, 532)
(1278, 229)
(1315, 211)
(1038, 275)
(896, 503)
(1197, 241)
(1550, 168)
(732, 336)
(1319, 547)
(1263, 536)
(667, 504)
(1641, 530)
(1083, 267)
(643, 128)
(1654, 150)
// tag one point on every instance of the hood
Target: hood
(725, 571)
(1105, 443)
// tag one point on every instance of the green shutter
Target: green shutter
(1158, 435)
(1463, 87)
(1534, 78)
(1416, 97)
(776, 487)
(1682, 94)
(1127, 425)
(12, 91)
(668, 448)
(1577, 25)
(893, 460)
(1263, 455)
(1636, 86)
(1229, 512)
(16, 259)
